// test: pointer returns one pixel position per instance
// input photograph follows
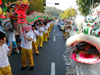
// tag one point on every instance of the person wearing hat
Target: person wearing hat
(5, 68)
(34, 41)
(26, 48)
(45, 34)
(12, 39)
(40, 38)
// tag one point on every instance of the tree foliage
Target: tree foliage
(84, 5)
(53, 11)
(35, 5)
(7, 1)
(68, 13)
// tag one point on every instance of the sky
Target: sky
(63, 4)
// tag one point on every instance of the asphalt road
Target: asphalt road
(49, 62)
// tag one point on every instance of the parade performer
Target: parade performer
(26, 48)
(52, 24)
(48, 24)
(5, 68)
(67, 30)
(12, 39)
(40, 38)
(34, 41)
(83, 49)
(45, 34)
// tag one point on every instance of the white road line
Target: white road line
(54, 30)
(52, 68)
(54, 39)
(57, 34)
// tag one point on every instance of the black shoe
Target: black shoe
(32, 67)
(37, 54)
(40, 47)
(48, 38)
(45, 42)
(23, 68)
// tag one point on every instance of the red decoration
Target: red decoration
(75, 29)
(88, 24)
(98, 32)
(85, 20)
(0, 2)
(92, 26)
(2, 16)
(95, 23)
(21, 13)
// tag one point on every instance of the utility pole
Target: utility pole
(92, 3)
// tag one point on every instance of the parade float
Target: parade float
(82, 55)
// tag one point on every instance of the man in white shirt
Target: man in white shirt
(5, 68)
(26, 48)
(40, 39)
(34, 41)
(12, 39)
(45, 34)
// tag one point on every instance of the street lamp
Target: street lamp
(51, 3)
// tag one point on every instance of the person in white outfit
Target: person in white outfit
(34, 41)
(45, 34)
(12, 40)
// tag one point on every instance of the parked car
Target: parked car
(59, 22)
(61, 25)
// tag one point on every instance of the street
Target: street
(49, 62)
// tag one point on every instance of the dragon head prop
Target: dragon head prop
(84, 41)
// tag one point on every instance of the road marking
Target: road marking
(52, 68)
(54, 30)
(54, 39)
(57, 34)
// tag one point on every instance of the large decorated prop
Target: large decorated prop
(16, 15)
(16, 11)
(83, 49)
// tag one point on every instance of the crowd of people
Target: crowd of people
(31, 38)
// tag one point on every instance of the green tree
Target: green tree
(84, 5)
(35, 5)
(53, 11)
(7, 1)
(68, 13)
